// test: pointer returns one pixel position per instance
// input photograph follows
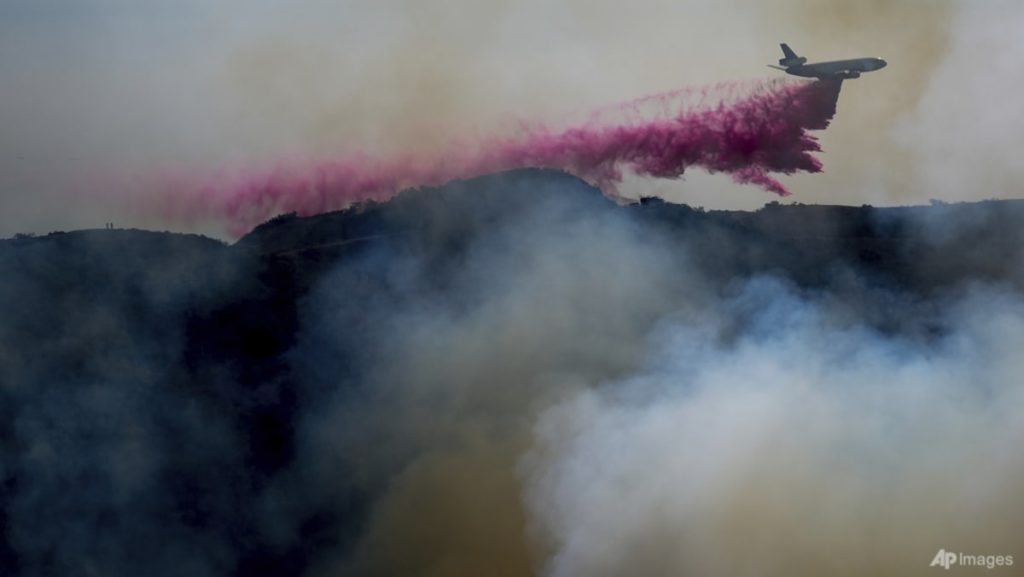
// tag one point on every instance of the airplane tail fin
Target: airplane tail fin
(790, 57)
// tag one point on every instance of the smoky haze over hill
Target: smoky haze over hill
(513, 375)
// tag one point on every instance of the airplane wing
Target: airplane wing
(782, 68)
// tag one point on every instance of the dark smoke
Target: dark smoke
(513, 375)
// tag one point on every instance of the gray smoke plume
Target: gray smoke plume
(804, 445)
(586, 396)
(515, 376)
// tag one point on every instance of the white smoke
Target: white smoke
(587, 397)
(798, 447)
(966, 133)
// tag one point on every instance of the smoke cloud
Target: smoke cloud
(96, 88)
(515, 376)
(761, 133)
(587, 399)
(799, 448)
(511, 375)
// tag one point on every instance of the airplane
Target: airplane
(835, 69)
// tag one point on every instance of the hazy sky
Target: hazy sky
(100, 89)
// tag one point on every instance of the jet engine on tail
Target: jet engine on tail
(790, 58)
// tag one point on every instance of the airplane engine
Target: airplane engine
(793, 61)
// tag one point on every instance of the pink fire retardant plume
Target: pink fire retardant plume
(762, 133)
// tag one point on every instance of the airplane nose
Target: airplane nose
(879, 63)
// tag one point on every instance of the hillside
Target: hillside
(168, 402)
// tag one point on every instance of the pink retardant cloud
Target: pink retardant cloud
(750, 138)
